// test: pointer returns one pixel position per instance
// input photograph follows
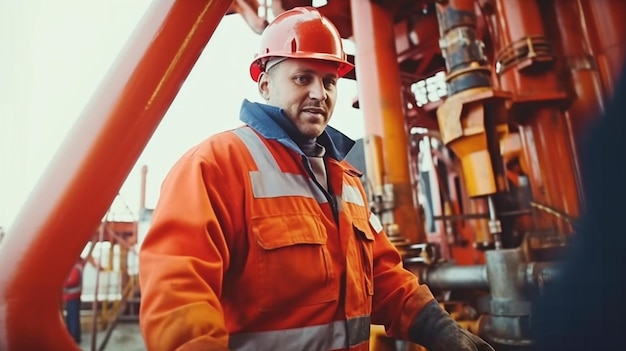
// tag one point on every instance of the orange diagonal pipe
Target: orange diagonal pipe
(82, 180)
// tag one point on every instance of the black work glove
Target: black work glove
(437, 331)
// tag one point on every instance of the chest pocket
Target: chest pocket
(365, 241)
(295, 267)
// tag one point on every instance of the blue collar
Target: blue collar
(271, 123)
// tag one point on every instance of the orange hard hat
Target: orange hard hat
(301, 32)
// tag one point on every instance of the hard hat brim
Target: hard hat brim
(256, 67)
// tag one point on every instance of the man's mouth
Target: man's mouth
(315, 111)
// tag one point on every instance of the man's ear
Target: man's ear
(263, 86)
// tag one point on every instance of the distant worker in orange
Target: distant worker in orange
(262, 238)
(72, 290)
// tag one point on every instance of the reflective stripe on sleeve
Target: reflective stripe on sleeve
(375, 223)
(269, 181)
(352, 194)
(333, 336)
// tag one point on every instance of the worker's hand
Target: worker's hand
(437, 331)
(459, 340)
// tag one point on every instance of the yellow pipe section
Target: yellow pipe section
(464, 126)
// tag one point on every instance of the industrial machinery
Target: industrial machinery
(474, 115)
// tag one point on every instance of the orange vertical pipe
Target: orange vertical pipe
(508, 32)
(380, 99)
(556, 161)
(90, 167)
(537, 92)
(571, 37)
(537, 173)
(569, 33)
(606, 19)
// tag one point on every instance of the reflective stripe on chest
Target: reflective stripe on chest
(270, 182)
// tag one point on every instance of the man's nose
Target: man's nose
(317, 90)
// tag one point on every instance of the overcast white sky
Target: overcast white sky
(53, 55)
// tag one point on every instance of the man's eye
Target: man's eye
(302, 79)
(329, 83)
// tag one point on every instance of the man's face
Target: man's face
(306, 89)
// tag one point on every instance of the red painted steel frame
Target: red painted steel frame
(79, 185)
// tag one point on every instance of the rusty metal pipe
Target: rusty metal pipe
(86, 173)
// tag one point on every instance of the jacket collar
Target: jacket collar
(271, 123)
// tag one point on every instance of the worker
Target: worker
(72, 291)
(262, 237)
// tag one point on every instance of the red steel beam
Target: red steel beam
(86, 173)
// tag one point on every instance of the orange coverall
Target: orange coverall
(247, 252)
